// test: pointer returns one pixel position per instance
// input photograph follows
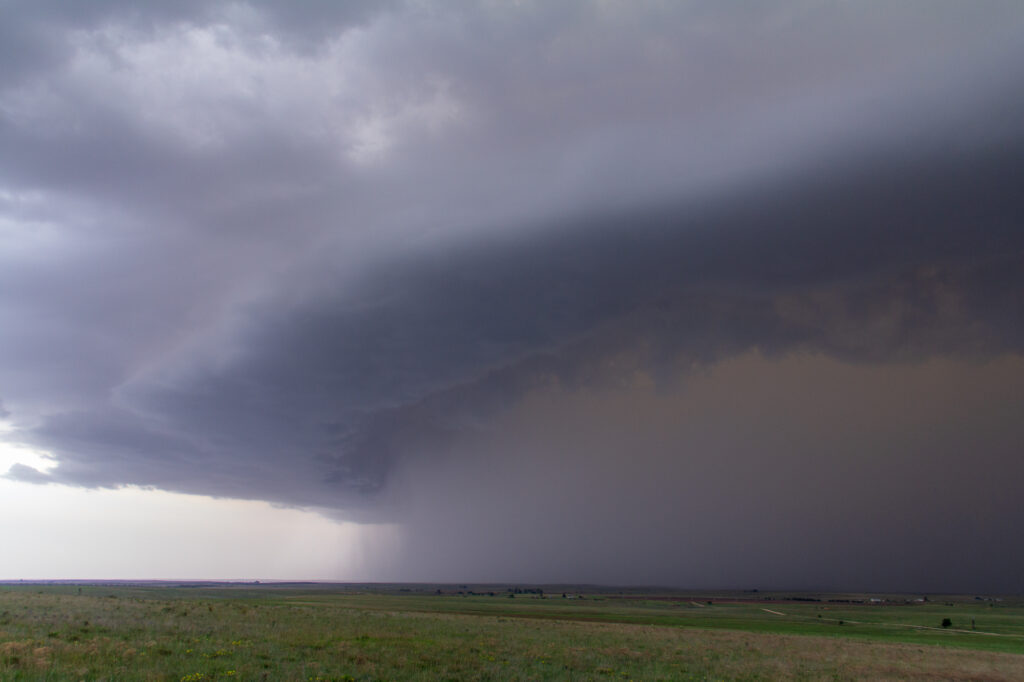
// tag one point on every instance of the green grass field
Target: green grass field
(329, 632)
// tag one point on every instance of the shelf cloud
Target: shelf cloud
(675, 293)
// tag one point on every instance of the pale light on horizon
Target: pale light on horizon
(56, 532)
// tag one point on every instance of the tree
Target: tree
(946, 622)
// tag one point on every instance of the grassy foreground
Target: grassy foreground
(215, 632)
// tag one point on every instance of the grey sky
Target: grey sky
(321, 256)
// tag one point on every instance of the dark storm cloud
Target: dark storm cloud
(329, 255)
(335, 389)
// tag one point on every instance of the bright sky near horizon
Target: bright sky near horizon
(59, 532)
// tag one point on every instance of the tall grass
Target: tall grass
(52, 633)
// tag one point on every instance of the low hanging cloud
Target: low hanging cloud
(519, 276)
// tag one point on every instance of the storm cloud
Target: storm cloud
(672, 293)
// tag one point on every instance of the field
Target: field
(419, 632)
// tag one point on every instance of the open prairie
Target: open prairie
(492, 632)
